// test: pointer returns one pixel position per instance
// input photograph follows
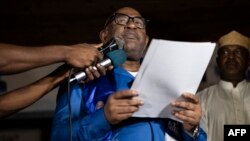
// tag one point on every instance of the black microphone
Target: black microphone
(113, 54)
(111, 45)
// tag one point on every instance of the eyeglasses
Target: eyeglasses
(123, 19)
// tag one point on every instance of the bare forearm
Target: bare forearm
(19, 58)
(18, 99)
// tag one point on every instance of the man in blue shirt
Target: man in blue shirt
(101, 110)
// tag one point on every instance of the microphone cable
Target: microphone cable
(69, 105)
(151, 129)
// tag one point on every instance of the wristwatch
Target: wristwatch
(195, 131)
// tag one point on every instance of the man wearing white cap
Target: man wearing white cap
(227, 102)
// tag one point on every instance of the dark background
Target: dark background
(38, 22)
(43, 22)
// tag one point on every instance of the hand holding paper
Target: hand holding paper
(169, 69)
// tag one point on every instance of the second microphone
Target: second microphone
(114, 56)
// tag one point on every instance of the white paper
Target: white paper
(169, 69)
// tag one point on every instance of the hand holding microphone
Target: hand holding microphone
(113, 55)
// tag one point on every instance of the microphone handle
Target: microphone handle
(82, 75)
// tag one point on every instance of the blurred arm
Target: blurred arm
(18, 99)
(15, 59)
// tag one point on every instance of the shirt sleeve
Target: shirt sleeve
(200, 136)
(83, 127)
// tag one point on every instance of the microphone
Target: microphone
(114, 55)
(112, 44)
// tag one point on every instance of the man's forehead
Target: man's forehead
(128, 11)
(232, 47)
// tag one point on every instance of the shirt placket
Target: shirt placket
(238, 106)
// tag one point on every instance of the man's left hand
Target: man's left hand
(188, 110)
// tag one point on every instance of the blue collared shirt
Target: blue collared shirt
(90, 124)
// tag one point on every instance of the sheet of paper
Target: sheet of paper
(169, 69)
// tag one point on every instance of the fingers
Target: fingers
(125, 94)
(83, 55)
(125, 109)
(99, 104)
(91, 74)
(116, 114)
(188, 110)
(191, 97)
(95, 72)
(190, 118)
(102, 70)
(189, 102)
(121, 105)
(185, 115)
(183, 105)
(125, 98)
(110, 67)
(98, 45)
(189, 121)
(99, 54)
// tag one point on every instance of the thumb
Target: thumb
(98, 45)
(99, 104)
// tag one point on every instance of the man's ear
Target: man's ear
(103, 35)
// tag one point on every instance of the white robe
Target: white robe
(223, 104)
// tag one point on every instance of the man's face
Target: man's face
(135, 39)
(233, 61)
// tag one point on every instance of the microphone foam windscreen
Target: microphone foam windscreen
(117, 57)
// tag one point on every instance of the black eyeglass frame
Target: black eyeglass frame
(113, 18)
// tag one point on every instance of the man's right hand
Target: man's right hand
(121, 105)
(84, 57)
